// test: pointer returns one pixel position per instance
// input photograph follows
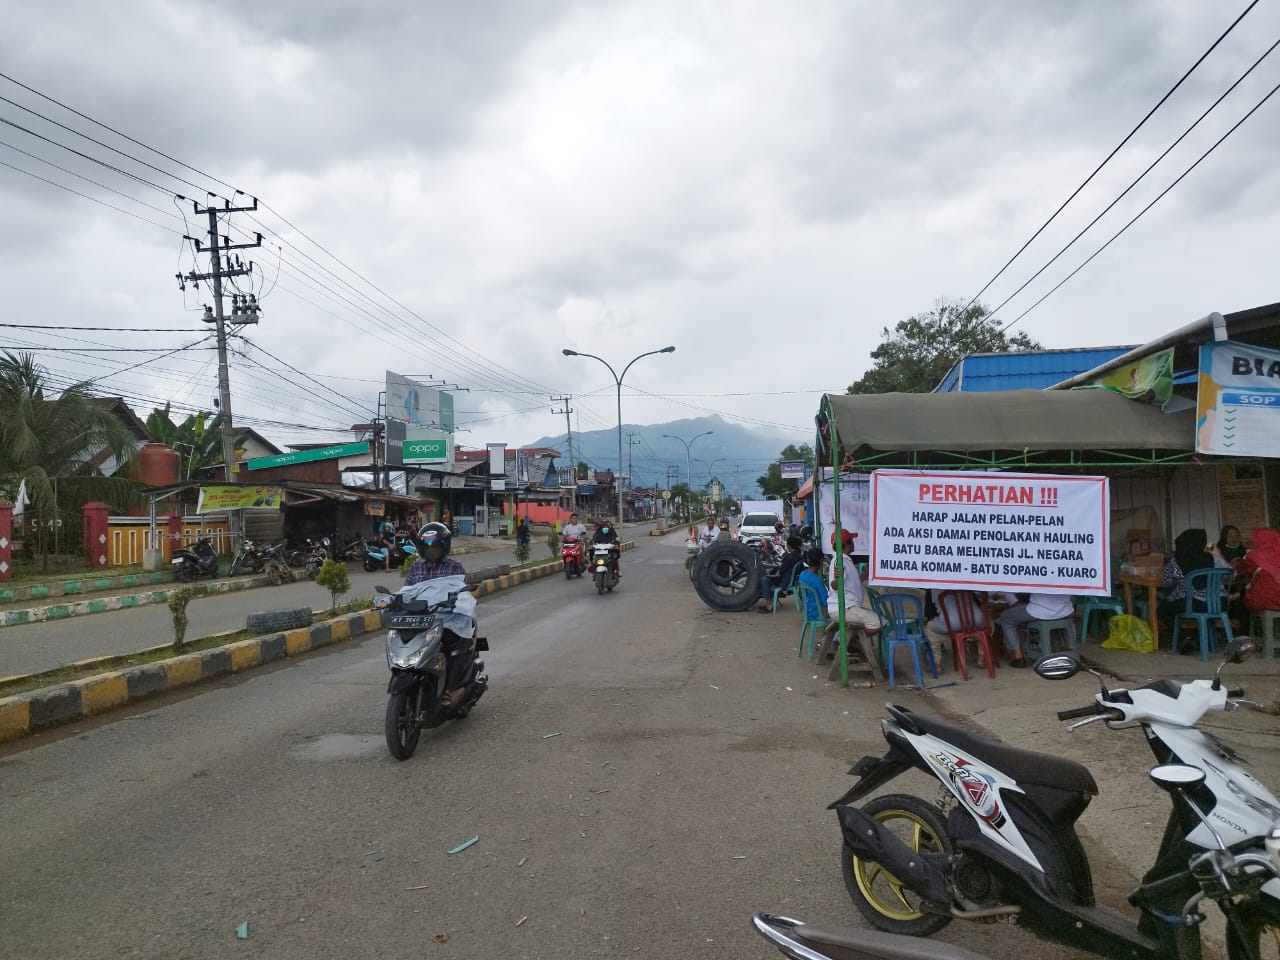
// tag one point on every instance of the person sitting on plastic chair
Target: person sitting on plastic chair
(785, 576)
(856, 614)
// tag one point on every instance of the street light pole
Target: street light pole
(688, 455)
(617, 379)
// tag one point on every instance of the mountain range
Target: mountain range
(734, 453)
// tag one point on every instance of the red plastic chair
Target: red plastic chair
(966, 628)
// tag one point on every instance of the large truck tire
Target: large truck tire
(726, 576)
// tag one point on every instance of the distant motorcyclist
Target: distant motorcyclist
(725, 533)
(606, 534)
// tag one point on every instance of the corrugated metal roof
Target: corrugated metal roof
(988, 372)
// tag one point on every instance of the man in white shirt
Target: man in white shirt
(707, 535)
(1039, 606)
(575, 528)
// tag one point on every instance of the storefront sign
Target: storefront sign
(309, 456)
(426, 449)
(792, 469)
(497, 465)
(1025, 533)
(217, 499)
(1238, 402)
(375, 508)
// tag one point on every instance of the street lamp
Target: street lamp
(688, 445)
(617, 379)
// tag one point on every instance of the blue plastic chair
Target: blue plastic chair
(783, 587)
(805, 593)
(1099, 605)
(1214, 583)
(902, 619)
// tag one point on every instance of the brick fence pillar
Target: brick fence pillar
(6, 540)
(95, 533)
(174, 540)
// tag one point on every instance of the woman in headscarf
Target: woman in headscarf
(1261, 567)
(1190, 553)
(1229, 544)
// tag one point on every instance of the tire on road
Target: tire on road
(276, 621)
(726, 576)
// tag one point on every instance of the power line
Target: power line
(1169, 149)
(1140, 213)
(1108, 157)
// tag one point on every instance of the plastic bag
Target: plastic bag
(1129, 633)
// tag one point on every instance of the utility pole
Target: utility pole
(244, 311)
(632, 441)
(573, 464)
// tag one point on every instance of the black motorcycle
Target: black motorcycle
(197, 561)
(419, 648)
(247, 558)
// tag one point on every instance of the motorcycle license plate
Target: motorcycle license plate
(411, 621)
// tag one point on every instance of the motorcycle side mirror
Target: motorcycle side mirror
(1057, 667)
(1239, 650)
(381, 589)
(1176, 777)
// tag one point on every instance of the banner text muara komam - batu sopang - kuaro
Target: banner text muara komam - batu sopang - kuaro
(1035, 533)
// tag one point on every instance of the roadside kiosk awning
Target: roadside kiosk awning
(1015, 427)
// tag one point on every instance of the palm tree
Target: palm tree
(57, 444)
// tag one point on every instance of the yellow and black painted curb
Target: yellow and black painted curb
(36, 710)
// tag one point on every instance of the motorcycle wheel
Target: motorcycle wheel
(879, 897)
(568, 571)
(185, 573)
(401, 729)
(235, 567)
(1262, 936)
(599, 582)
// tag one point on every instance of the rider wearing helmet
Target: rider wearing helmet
(606, 534)
(434, 542)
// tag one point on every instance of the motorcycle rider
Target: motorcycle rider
(707, 535)
(575, 528)
(606, 534)
(434, 542)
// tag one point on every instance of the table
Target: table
(1151, 582)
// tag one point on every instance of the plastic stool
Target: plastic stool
(1040, 634)
(1265, 625)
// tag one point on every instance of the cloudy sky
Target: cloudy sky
(764, 185)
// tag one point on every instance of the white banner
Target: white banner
(418, 405)
(1022, 533)
(1238, 400)
(497, 465)
(855, 510)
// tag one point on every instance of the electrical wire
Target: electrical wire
(1160, 196)
(1124, 193)
(1129, 136)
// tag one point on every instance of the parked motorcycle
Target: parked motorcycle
(355, 550)
(246, 558)
(1007, 846)
(573, 553)
(604, 564)
(422, 617)
(191, 562)
(375, 557)
(807, 941)
(317, 552)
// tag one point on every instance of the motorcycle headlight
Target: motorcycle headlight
(407, 649)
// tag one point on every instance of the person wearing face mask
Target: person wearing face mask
(605, 533)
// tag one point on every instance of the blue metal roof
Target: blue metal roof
(986, 372)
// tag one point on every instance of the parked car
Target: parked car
(757, 526)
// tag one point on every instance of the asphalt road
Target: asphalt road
(642, 775)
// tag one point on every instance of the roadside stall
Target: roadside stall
(1002, 439)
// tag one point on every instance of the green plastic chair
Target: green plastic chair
(1214, 583)
(1099, 605)
(789, 585)
(805, 593)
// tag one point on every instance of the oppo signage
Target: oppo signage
(426, 450)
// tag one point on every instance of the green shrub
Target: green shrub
(521, 553)
(553, 543)
(178, 601)
(333, 577)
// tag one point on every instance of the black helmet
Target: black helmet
(434, 542)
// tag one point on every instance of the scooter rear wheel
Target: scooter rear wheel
(402, 729)
(884, 902)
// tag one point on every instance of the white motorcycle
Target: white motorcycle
(604, 567)
(1002, 843)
